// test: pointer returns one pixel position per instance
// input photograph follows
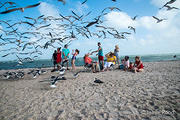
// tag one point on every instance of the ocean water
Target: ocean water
(5, 65)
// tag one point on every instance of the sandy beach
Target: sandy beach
(151, 95)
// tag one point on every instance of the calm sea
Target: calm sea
(4, 65)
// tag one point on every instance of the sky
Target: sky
(150, 37)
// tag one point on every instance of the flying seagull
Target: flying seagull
(132, 28)
(63, 1)
(84, 2)
(112, 8)
(134, 18)
(158, 20)
(21, 9)
(10, 3)
(170, 2)
(170, 8)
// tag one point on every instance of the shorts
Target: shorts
(108, 64)
(100, 58)
(121, 66)
(73, 57)
(55, 62)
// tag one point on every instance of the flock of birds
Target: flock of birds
(52, 31)
(42, 32)
(20, 74)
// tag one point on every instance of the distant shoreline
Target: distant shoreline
(51, 67)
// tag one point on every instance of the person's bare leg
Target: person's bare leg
(140, 70)
(135, 70)
(67, 65)
(73, 65)
(103, 63)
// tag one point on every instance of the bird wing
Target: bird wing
(155, 18)
(11, 10)
(84, 2)
(171, 1)
(31, 6)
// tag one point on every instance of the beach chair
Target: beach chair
(87, 68)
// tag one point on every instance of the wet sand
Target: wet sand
(151, 95)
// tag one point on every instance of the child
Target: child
(130, 66)
(122, 64)
(126, 62)
(138, 65)
(74, 58)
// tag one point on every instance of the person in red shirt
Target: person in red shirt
(59, 59)
(138, 65)
(89, 63)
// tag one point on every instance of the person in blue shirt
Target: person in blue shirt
(100, 55)
(65, 56)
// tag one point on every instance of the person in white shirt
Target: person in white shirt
(126, 62)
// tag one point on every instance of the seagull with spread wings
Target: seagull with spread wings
(158, 19)
(170, 2)
(170, 8)
(21, 8)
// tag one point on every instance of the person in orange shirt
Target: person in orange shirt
(90, 64)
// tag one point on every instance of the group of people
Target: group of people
(61, 57)
(112, 58)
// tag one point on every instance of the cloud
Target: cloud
(152, 37)
(51, 11)
(120, 20)
(79, 8)
(1, 28)
(160, 3)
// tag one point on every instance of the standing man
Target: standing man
(100, 56)
(65, 55)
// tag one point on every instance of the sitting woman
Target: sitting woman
(138, 65)
(111, 60)
(90, 64)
